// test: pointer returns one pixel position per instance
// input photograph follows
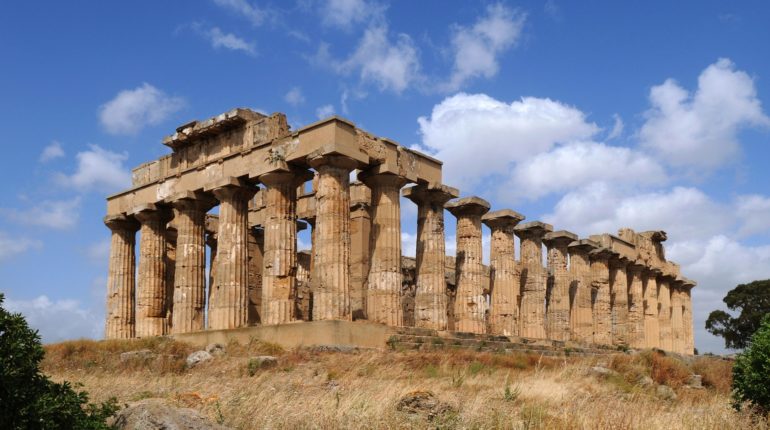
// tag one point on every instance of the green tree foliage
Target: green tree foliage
(751, 373)
(28, 399)
(752, 302)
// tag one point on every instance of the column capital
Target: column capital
(121, 222)
(468, 206)
(151, 212)
(371, 179)
(653, 272)
(440, 194)
(619, 261)
(317, 160)
(291, 175)
(532, 229)
(559, 238)
(504, 219)
(582, 246)
(602, 254)
(230, 187)
(192, 200)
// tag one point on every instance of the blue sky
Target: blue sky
(591, 116)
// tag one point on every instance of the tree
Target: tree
(751, 373)
(28, 399)
(752, 301)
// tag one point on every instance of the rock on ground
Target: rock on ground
(216, 349)
(423, 403)
(665, 392)
(198, 357)
(154, 414)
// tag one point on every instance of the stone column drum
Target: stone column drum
(664, 313)
(383, 292)
(581, 316)
(677, 328)
(689, 340)
(330, 278)
(600, 282)
(534, 279)
(280, 249)
(651, 326)
(121, 278)
(152, 301)
(228, 305)
(430, 302)
(470, 303)
(619, 300)
(504, 274)
(635, 326)
(558, 310)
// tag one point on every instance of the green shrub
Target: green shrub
(28, 399)
(751, 373)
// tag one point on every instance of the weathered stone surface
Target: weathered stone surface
(581, 318)
(557, 294)
(152, 301)
(600, 282)
(153, 414)
(303, 305)
(651, 322)
(121, 278)
(470, 302)
(198, 357)
(619, 300)
(504, 273)
(677, 324)
(533, 278)
(263, 361)
(636, 338)
(687, 316)
(664, 313)
(424, 404)
(141, 355)
(216, 349)
(256, 249)
(665, 392)
(360, 253)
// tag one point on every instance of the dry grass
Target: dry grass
(323, 390)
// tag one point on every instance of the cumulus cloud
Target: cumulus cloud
(58, 320)
(220, 39)
(55, 214)
(98, 169)
(12, 246)
(294, 97)
(700, 129)
(476, 48)
(99, 252)
(255, 15)
(132, 110)
(324, 111)
(51, 152)
(478, 137)
(390, 65)
(754, 213)
(617, 127)
(344, 14)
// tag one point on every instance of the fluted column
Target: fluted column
(677, 326)
(383, 293)
(280, 255)
(636, 338)
(651, 326)
(600, 282)
(470, 303)
(689, 339)
(228, 305)
(664, 312)
(430, 302)
(581, 315)
(619, 300)
(190, 267)
(557, 299)
(330, 279)
(256, 247)
(121, 278)
(504, 273)
(534, 279)
(152, 301)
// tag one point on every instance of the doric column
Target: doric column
(171, 235)
(330, 278)
(689, 340)
(635, 326)
(600, 282)
(152, 301)
(558, 304)
(470, 303)
(121, 277)
(383, 293)
(534, 279)
(651, 326)
(360, 234)
(228, 305)
(504, 275)
(302, 299)
(430, 302)
(581, 316)
(280, 257)
(677, 326)
(256, 249)
(619, 300)
(664, 312)
(190, 268)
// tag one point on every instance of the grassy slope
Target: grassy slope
(361, 390)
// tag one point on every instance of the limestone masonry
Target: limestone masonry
(270, 182)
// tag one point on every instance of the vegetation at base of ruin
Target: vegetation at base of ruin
(314, 388)
(751, 302)
(28, 398)
(752, 371)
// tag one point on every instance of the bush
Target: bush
(28, 399)
(751, 373)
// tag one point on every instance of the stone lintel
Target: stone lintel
(502, 218)
(188, 132)
(583, 244)
(467, 206)
(532, 228)
(559, 236)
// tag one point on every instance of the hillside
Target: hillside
(322, 388)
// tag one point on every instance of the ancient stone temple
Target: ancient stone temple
(218, 218)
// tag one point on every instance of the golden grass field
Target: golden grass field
(327, 390)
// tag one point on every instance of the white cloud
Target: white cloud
(99, 169)
(99, 252)
(324, 111)
(700, 129)
(12, 246)
(55, 214)
(220, 39)
(345, 13)
(294, 97)
(754, 213)
(478, 137)
(476, 49)
(577, 164)
(52, 151)
(253, 14)
(617, 127)
(132, 110)
(58, 320)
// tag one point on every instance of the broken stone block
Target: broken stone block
(198, 357)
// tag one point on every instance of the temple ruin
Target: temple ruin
(270, 182)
